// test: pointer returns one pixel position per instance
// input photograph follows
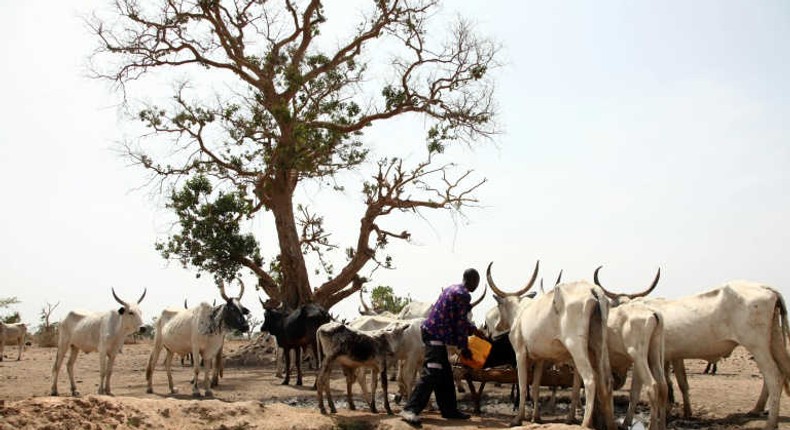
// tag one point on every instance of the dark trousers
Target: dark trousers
(436, 376)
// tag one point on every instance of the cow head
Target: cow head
(235, 314)
(507, 303)
(617, 299)
(131, 315)
(272, 316)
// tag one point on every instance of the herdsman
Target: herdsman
(447, 324)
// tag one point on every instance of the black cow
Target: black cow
(294, 330)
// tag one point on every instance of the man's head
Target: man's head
(471, 279)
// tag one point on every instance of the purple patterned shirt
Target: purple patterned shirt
(447, 321)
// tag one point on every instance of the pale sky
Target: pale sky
(635, 135)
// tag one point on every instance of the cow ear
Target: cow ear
(121, 310)
(245, 311)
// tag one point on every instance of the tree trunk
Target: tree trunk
(295, 289)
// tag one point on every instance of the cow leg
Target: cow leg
(209, 363)
(298, 365)
(683, 385)
(55, 368)
(522, 365)
(70, 369)
(21, 342)
(323, 386)
(587, 373)
(361, 376)
(373, 386)
(384, 388)
(759, 407)
(772, 380)
(536, 375)
(577, 387)
(658, 406)
(169, 370)
(108, 377)
(196, 371)
(102, 368)
(287, 368)
(351, 377)
(2, 346)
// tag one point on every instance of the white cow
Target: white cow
(636, 336)
(410, 353)
(100, 331)
(494, 325)
(14, 332)
(565, 324)
(199, 330)
(710, 325)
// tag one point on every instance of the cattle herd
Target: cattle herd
(601, 334)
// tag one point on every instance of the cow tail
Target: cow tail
(599, 357)
(154, 357)
(781, 331)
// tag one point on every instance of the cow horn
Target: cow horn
(541, 286)
(185, 304)
(608, 293)
(263, 304)
(518, 293)
(482, 296)
(118, 299)
(145, 290)
(649, 289)
(222, 294)
(630, 296)
(367, 309)
(559, 278)
(241, 284)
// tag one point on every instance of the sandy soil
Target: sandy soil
(252, 398)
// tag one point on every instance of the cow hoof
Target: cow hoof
(299, 383)
(515, 423)
(284, 382)
(75, 393)
(389, 412)
(323, 411)
(209, 393)
(196, 394)
(149, 390)
(53, 393)
(352, 407)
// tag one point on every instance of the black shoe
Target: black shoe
(457, 415)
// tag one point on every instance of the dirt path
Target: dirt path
(252, 398)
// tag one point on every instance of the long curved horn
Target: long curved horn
(263, 304)
(559, 278)
(518, 293)
(608, 293)
(241, 292)
(222, 290)
(367, 309)
(118, 299)
(491, 283)
(145, 290)
(477, 302)
(649, 289)
(185, 304)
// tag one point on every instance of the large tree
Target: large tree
(295, 108)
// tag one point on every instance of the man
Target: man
(446, 324)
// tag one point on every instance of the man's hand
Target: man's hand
(466, 353)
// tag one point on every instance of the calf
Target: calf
(199, 330)
(409, 355)
(294, 330)
(15, 332)
(101, 331)
(354, 349)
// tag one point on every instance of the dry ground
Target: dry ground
(252, 398)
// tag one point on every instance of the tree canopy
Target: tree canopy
(296, 109)
(383, 299)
